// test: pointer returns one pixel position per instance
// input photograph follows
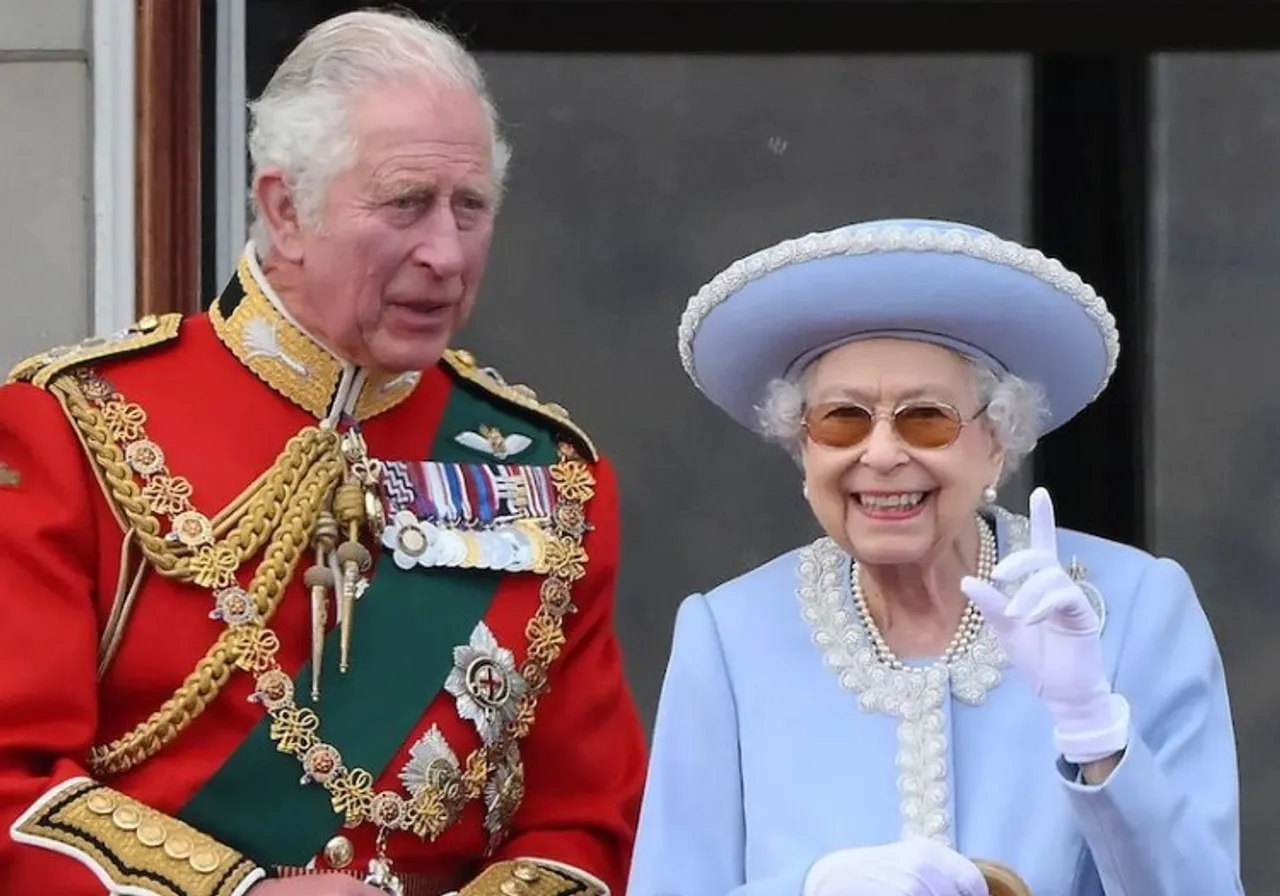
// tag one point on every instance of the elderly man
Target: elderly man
(297, 599)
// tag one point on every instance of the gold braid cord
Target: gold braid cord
(290, 509)
(281, 507)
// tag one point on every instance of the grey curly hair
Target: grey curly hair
(1015, 410)
(300, 123)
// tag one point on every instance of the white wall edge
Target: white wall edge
(112, 76)
(231, 171)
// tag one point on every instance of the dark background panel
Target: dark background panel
(1214, 458)
(829, 26)
(1090, 208)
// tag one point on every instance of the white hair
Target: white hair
(300, 122)
(1015, 410)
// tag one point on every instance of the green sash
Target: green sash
(402, 640)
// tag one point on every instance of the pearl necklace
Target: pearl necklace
(970, 621)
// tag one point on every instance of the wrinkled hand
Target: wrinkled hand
(315, 885)
(915, 867)
(1053, 636)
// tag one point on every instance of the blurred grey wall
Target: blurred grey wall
(46, 188)
(1215, 455)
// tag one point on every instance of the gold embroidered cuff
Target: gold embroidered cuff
(534, 877)
(133, 849)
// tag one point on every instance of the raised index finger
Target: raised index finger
(1044, 531)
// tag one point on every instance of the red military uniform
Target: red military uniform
(202, 521)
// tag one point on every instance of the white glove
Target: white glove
(915, 867)
(1052, 635)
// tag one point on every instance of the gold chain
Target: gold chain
(295, 730)
(284, 505)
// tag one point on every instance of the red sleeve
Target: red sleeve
(585, 755)
(48, 627)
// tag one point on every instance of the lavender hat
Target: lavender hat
(770, 314)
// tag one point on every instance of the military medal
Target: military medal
(469, 516)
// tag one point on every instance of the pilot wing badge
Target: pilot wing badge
(490, 440)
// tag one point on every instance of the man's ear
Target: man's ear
(279, 213)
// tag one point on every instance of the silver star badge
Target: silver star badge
(485, 683)
(432, 765)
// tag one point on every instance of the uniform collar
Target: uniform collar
(254, 324)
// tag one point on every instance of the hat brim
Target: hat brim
(937, 282)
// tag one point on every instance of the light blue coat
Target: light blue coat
(777, 741)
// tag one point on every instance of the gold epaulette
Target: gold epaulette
(152, 330)
(534, 877)
(130, 847)
(463, 363)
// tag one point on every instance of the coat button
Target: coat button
(339, 852)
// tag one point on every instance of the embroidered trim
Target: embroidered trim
(463, 363)
(290, 361)
(866, 241)
(913, 694)
(147, 332)
(131, 848)
(534, 877)
(150, 331)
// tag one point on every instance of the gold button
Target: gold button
(512, 888)
(151, 834)
(126, 818)
(339, 852)
(178, 848)
(204, 861)
(148, 323)
(101, 804)
(525, 872)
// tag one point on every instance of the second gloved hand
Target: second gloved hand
(915, 867)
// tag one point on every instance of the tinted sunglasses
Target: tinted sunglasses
(923, 424)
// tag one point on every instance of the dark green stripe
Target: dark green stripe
(402, 639)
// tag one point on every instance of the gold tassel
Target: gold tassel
(355, 504)
(353, 557)
(319, 579)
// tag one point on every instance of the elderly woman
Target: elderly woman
(937, 697)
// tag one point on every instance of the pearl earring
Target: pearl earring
(804, 490)
(989, 495)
